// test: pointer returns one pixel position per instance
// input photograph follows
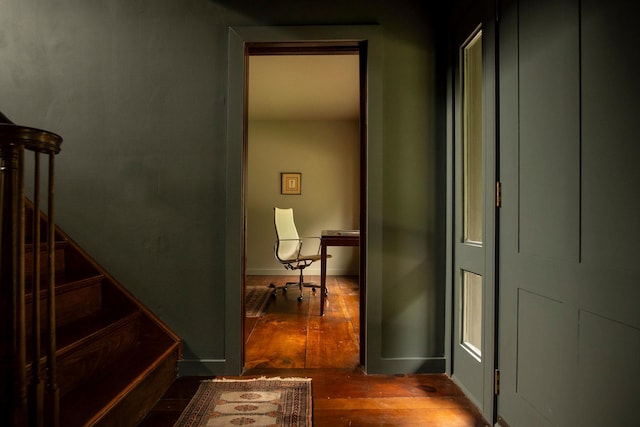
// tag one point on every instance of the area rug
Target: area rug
(256, 299)
(253, 402)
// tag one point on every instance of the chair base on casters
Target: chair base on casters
(301, 284)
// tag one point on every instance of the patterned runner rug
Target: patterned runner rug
(256, 299)
(254, 402)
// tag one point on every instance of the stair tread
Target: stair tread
(63, 281)
(77, 406)
(81, 330)
(90, 325)
(28, 245)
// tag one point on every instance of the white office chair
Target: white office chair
(289, 249)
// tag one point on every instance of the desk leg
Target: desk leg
(323, 276)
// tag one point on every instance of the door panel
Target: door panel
(549, 129)
(539, 234)
(469, 249)
(471, 316)
(474, 206)
(568, 282)
(542, 351)
(600, 340)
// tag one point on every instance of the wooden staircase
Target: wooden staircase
(115, 358)
(76, 348)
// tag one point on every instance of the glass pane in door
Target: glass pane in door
(471, 321)
(472, 138)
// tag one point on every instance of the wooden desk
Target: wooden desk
(333, 238)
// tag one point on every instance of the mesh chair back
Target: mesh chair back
(288, 243)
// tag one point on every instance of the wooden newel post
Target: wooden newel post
(13, 397)
(22, 401)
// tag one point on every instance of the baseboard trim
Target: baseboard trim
(501, 422)
(203, 367)
(429, 365)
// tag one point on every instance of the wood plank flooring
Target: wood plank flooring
(291, 339)
(293, 335)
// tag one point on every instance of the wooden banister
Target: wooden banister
(25, 401)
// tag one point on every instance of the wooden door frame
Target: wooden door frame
(317, 48)
(289, 40)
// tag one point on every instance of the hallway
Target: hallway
(291, 340)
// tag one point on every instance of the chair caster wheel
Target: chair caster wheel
(313, 290)
(271, 285)
(299, 299)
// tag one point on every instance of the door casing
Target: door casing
(369, 40)
(319, 48)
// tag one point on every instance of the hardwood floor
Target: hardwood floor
(292, 334)
(291, 339)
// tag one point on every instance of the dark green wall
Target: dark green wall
(138, 91)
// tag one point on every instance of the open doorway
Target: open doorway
(302, 115)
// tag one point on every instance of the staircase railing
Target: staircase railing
(32, 401)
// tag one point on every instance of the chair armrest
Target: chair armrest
(307, 238)
(279, 241)
(300, 242)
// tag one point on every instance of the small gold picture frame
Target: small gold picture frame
(290, 183)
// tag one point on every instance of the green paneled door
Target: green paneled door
(569, 327)
(473, 244)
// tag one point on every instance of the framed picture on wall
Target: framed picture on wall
(290, 183)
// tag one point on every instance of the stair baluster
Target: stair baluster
(53, 392)
(21, 403)
(36, 389)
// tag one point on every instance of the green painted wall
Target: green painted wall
(138, 91)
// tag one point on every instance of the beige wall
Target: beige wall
(327, 155)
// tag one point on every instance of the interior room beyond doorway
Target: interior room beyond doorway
(303, 117)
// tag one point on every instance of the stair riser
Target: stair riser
(43, 262)
(139, 401)
(70, 305)
(90, 356)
